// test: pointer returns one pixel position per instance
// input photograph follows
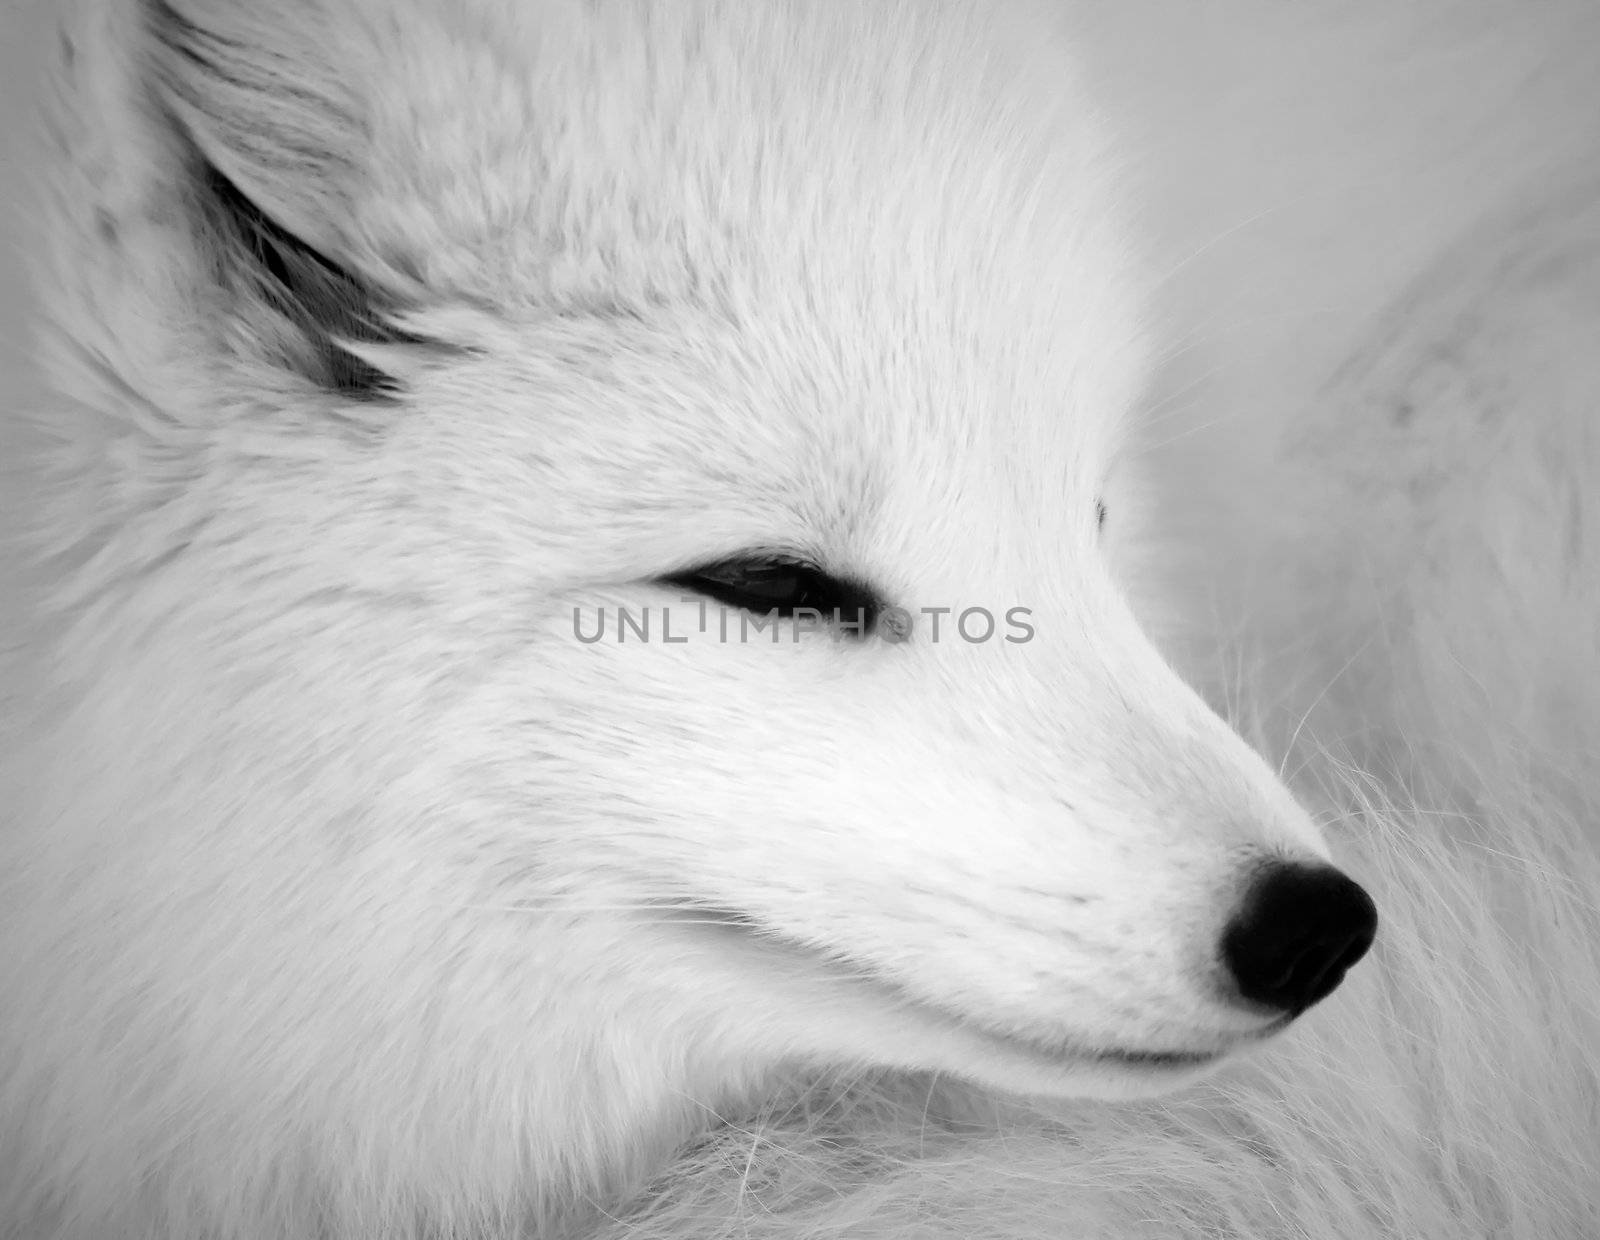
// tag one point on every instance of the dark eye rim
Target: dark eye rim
(762, 582)
(1100, 514)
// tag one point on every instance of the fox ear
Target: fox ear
(274, 142)
(250, 85)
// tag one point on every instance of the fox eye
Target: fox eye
(1099, 514)
(764, 583)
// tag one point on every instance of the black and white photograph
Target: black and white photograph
(799, 619)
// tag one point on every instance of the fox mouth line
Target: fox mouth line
(1160, 1059)
(1123, 1057)
(749, 926)
(1156, 1060)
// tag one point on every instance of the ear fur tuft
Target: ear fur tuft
(271, 140)
(249, 85)
(301, 304)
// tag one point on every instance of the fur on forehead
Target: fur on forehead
(613, 154)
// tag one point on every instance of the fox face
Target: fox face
(587, 583)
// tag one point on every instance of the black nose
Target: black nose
(1300, 927)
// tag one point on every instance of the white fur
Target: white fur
(346, 893)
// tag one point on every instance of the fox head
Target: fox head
(577, 577)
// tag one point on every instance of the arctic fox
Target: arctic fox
(356, 885)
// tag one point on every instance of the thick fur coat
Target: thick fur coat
(389, 344)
